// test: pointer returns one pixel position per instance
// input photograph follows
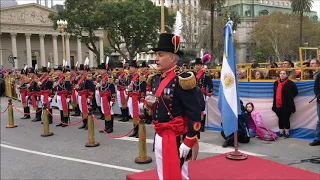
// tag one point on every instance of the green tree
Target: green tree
(299, 7)
(132, 26)
(212, 5)
(82, 22)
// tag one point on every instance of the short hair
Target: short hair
(317, 61)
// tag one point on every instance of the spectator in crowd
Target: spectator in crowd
(254, 119)
(258, 75)
(314, 63)
(272, 74)
(243, 132)
(240, 74)
(254, 64)
(289, 64)
(216, 75)
(283, 102)
(316, 142)
(307, 74)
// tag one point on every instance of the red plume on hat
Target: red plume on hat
(206, 59)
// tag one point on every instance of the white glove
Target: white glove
(183, 150)
(111, 104)
(28, 85)
(39, 83)
(98, 85)
(55, 84)
(18, 86)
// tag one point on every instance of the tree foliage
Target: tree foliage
(276, 35)
(82, 22)
(299, 7)
(132, 24)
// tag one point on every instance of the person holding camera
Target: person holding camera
(316, 142)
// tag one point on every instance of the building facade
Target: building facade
(249, 11)
(27, 34)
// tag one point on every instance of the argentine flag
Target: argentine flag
(228, 98)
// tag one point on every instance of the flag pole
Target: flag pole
(235, 155)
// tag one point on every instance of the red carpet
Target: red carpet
(219, 167)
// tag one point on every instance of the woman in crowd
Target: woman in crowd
(283, 101)
(258, 75)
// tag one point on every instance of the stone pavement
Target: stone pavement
(27, 155)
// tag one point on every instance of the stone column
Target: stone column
(55, 50)
(42, 52)
(28, 46)
(14, 49)
(91, 57)
(79, 51)
(1, 60)
(101, 49)
(68, 49)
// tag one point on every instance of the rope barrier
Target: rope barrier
(25, 113)
(4, 110)
(59, 121)
(102, 129)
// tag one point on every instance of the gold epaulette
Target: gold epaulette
(149, 80)
(189, 82)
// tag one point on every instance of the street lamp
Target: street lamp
(62, 24)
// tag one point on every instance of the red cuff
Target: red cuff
(142, 100)
(148, 88)
(90, 97)
(209, 94)
(113, 99)
(190, 141)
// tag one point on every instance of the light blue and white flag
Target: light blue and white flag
(228, 100)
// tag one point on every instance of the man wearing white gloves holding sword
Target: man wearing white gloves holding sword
(176, 110)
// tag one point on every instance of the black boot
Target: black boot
(65, 121)
(101, 114)
(38, 115)
(126, 115)
(110, 125)
(50, 117)
(26, 110)
(135, 132)
(105, 126)
(76, 111)
(203, 123)
(84, 124)
(122, 114)
(61, 118)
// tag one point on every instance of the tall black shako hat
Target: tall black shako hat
(198, 61)
(133, 64)
(144, 64)
(169, 43)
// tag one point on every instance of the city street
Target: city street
(27, 155)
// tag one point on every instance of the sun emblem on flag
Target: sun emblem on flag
(228, 80)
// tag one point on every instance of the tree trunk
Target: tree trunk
(300, 36)
(212, 31)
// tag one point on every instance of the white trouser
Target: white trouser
(119, 99)
(49, 99)
(59, 102)
(98, 98)
(129, 104)
(80, 104)
(158, 153)
(111, 109)
(205, 101)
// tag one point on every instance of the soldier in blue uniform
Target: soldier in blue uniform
(46, 85)
(34, 94)
(86, 89)
(62, 87)
(121, 81)
(176, 110)
(204, 82)
(136, 90)
(107, 93)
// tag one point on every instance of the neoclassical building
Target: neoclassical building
(27, 33)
